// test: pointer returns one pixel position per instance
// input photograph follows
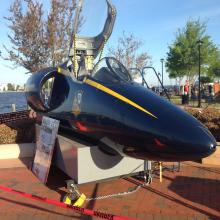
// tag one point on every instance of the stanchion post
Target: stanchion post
(161, 170)
(13, 107)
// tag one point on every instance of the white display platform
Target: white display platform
(84, 163)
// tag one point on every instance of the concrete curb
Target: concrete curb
(14, 151)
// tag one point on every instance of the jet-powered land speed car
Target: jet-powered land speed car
(110, 107)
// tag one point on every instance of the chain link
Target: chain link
(128, 192)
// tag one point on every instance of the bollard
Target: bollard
(13, 107)
(161, 170)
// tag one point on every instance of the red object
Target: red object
(186, 89)
(217, 88)
(81, 127)
(158, 143)
(63, 205)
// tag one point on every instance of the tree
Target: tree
(183, 55)
(17, 87)
(38, 41)
(214, 67)
(127, 52)
(59, 29)
(205, 79)
(11, 87)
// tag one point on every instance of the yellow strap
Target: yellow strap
(59, 70)
(80, 200)
(67, 200)
(75, 61)
(63, 71)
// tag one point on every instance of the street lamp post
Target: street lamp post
(199, 42)
(162, 60)
(158, 80)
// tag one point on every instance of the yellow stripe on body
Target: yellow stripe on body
(117, 95)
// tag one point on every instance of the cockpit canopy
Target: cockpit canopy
(109, 70)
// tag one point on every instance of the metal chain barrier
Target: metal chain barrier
(56, 203)
(128, 192)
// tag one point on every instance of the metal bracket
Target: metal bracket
(73, 197)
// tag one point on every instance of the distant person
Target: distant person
(211, 92)
(186, 93)
(153, 89)
(182, 94)
(186, 89)
(203, 92)
(193, 93)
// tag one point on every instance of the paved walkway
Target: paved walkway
(191, 194)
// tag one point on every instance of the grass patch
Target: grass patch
(177, 100)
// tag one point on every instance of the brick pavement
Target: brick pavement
(191, 194)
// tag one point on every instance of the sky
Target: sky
(155, 22)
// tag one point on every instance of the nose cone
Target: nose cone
(174, 135)
(193, 144)
(205, 142)
(165, 132)
(184, 137)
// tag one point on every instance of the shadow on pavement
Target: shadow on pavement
(198, 190)
(184, 192)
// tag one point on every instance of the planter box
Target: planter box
(15, 151)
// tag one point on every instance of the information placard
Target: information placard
(45, 147)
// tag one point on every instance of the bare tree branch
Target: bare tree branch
(127, 52)
(36, 41)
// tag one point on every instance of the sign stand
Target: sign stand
(45, 147)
